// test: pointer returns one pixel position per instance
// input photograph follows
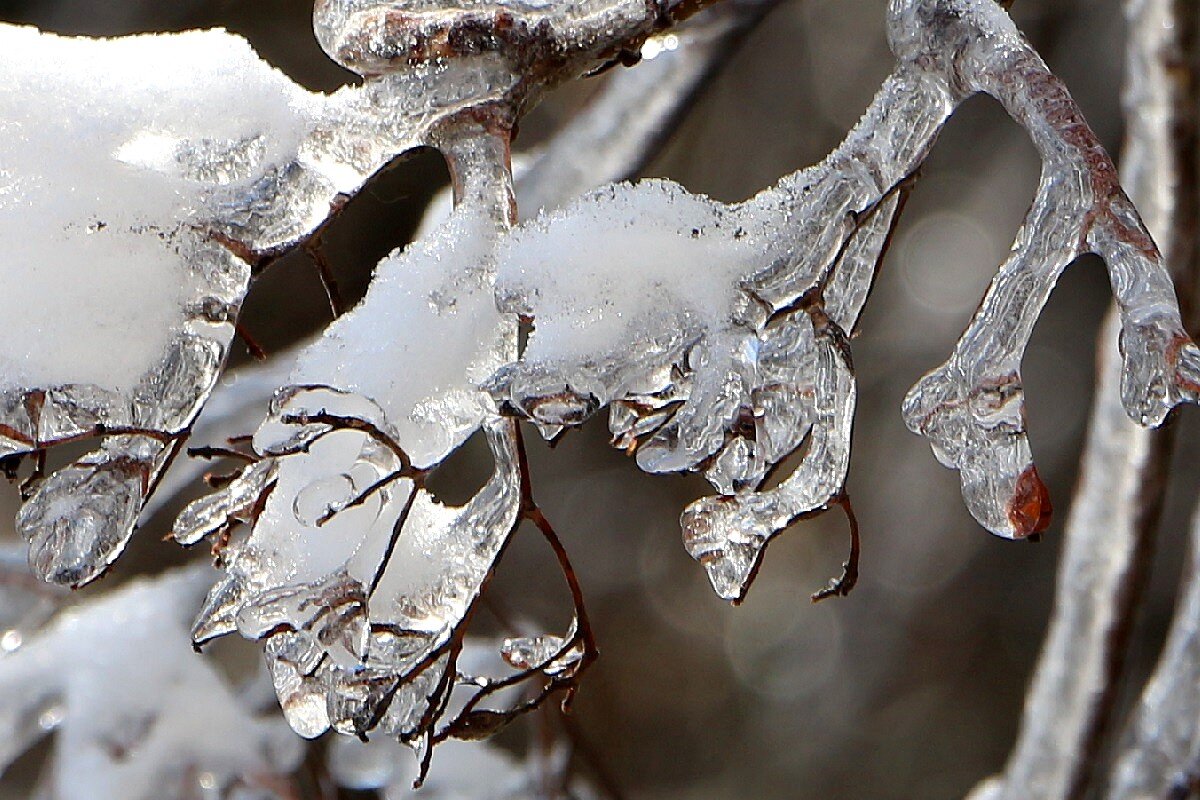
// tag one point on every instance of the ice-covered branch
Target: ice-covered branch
(717, 334)
(344, 513)
(132, 227)
(360, 582)
(1115, 511)
(609, 139)
(186, 164)
(371, 353)
(1161, 755)
(972, 407)
(533, 38)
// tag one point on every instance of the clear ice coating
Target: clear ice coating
(972, 407)
(358, 580)
(717, 335)
(187, 162)
(132, 226)
(136, 714)
(639, 302)
(377, 36)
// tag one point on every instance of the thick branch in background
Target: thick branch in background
(1160, 756)
(1160, 753)
(1116, 510)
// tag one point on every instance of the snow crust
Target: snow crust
(627, 261)
(422, 341)
(132, 225)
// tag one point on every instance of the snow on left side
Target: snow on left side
(135, 203)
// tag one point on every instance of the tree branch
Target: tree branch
(1116, 509)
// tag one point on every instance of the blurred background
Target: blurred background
(911, 687)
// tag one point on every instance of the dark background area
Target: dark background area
(910, 688)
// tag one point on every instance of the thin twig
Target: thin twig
(314, 247)
(844, 583)
(338, 422)
(210, 453)
(252, 346)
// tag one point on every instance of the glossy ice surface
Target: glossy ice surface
(716, 335)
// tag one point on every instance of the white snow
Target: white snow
(107, 185)
(620, 264)
(422, 340)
